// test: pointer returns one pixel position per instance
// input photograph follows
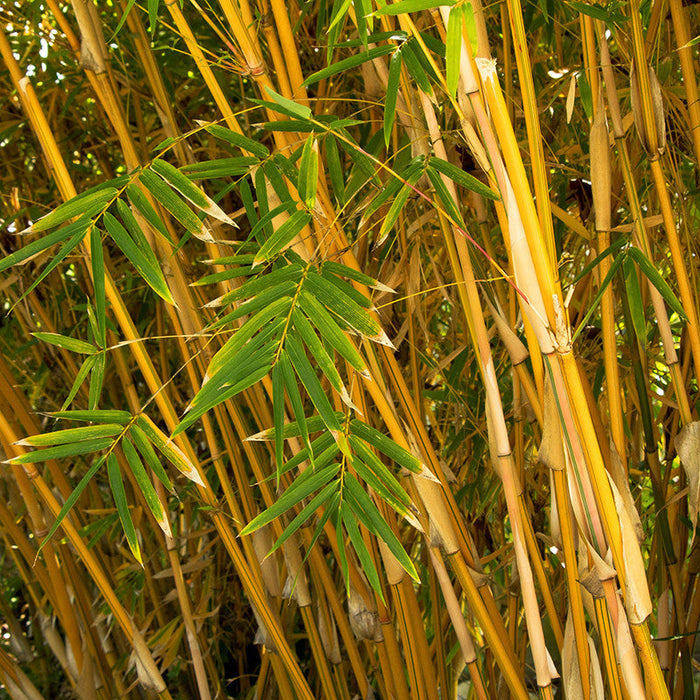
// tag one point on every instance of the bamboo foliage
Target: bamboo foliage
(351, 349)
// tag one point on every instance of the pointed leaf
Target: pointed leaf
(304, 485)
(654, 276)
(372, 519)
(61, 451)
(331, 332)
(72, 499)
(71, 435)
(348, 63)
(117, 486)
(392, 94)
(404, 6)
(150, 273)
(168, 449)
(85, 204)
(283, 236)
(235, 139)
(150, 456)
(289, 106)
(462, 178)
(308, 378)
(180, 182)
(168, 199)
(453, 49)
(97, 416)
(308, 172)
(385, 445)
(145, 485)
(67, 343)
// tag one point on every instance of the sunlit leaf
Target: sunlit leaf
(71, 435)
(145, 485)
(348, 63)
(65, 342)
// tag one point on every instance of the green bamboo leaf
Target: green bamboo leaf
(72, 499)
(405, 6)
(140, 202)
(445, 197)
(167, 198)
(318, 352)
(634, 298)
(470, 24)
(654, 276)
(150, 456)
(346, 308)
(235, 139)
(67, 343)
(168, 449)
(596, 300)
(331, 332)
(392, 93)
(288, 106)
(150, 273)
(335, 169)
(385, 445)
(182, 184)
(320, 499)
(308, 172)
(347, 289)
(146, 487)
(411, 55)
(262, 284)
(219, 168)
(292, 389)
(83, 372)
(282, 237)
(388, 480)
(612, 248)
(324, 450)
(134, 228)
(227, 353)
(453, 49)
(61, 451)
(152, 14)
(314, 424)
(337, 520)
(70, 435)
(303, 486)
(356, 275)
(250, 367)
(348, 63)
(368, 513)
(397, 205)
(313, 387)
(461, 178)
(96, 416)
(125, 14)
(97, 375)
(31, 250)
(98, 281)
(86, 204)
(372, 480)
(117, 486)
(278, 416)
(358, 544)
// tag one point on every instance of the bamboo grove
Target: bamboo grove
(349, 349)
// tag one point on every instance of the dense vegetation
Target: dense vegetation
(349, 349)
